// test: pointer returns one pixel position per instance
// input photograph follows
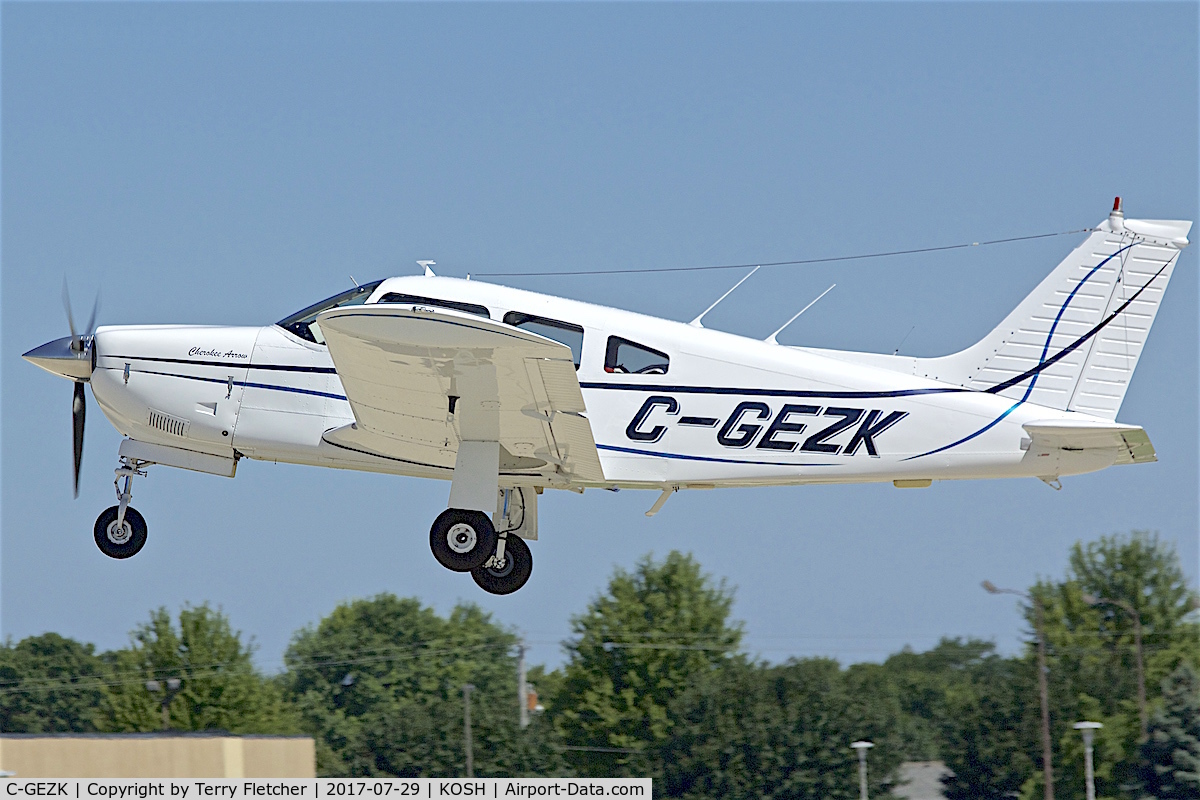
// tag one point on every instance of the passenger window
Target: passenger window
(565, 332)
(624, 356)
(416, 300)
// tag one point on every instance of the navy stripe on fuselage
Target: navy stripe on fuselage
(246, 384)
(229, 364)
(731, 390)
(712, 459)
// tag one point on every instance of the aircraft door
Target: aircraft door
(284, 411)
(218, 398)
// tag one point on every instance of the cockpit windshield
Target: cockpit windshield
(303, 323)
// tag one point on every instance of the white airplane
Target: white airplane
(506, 392)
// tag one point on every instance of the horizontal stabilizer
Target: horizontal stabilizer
(1130, 440)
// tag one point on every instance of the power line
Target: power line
(797, 262)
(81, 683)
(89, 682)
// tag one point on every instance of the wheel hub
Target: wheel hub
(120, 535)
(500, 569)
(461, 538)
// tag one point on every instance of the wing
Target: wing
(421, 380)
(1130, 442)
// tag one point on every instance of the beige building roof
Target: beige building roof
(156, 755)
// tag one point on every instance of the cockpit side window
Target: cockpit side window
(566, 332)
(416, 300)
(626, 357)
(303, 322)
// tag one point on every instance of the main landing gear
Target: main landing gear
(467, 541)
(462, 540)
(120, 530)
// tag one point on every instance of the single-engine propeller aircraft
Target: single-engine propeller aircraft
(506, 392)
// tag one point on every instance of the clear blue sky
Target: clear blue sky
(231, 163)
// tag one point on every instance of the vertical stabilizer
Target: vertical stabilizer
(1074, 342)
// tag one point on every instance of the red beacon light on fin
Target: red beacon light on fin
(1116, 217)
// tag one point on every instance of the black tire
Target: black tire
(518, 566)
(124, 543)
(462, 540)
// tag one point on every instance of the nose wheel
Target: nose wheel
(123, 538)
(120, 530)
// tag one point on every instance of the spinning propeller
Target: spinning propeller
(81, 344)
(71, 357)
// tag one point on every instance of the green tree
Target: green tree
(379, 684)
(1143, 571)
(922, 682)
(1170, 757)
(1092, 656)
(746, 730)
(221, 688)
(647, 638)
(989, 734)
(49, 683)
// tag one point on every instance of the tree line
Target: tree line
(656, 683)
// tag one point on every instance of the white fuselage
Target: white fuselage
(728, 411)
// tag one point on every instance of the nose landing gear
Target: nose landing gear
(120, 530)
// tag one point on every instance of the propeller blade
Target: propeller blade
(91, 326)
(66, 298)
(78, 417)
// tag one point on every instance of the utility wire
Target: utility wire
(798, 262)
(81, 683)
(206, 670)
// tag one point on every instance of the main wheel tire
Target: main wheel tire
(518, 566)
(120, 542)
(462, 540)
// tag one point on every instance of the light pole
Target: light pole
(1088, 729)
(1094, 600)
(173, 687)
(467, 689)
(1047, 766)
(522, 688)
(862, 748)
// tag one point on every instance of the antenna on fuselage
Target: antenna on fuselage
(771, 339)
(696, 322)
(354, 281)
(426, 266)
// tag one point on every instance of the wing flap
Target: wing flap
(562, 386)
(422, 380)
(573, 439)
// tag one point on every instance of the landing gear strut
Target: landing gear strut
(468, 536)
(120, 530)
